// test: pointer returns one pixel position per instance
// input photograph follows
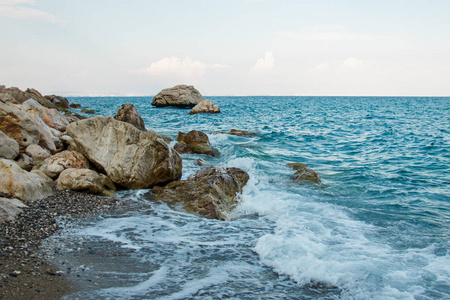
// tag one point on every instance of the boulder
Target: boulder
(22, 184)
(10, 208)
(37, 153)
(129, 114)
(210, 192)
(9, 148)
(7, 98)
(180, 95)
(237, 132)
(51, 117)
(304, 173)
(26, 128)
(129, 157)
(61, 103)
(205, 106)
(85, 180)
(32, 93)
(66, 160)
(193, 142)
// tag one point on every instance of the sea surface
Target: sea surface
(377, 227)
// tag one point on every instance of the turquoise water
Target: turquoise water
(377, 227)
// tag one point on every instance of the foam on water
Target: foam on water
(376, 228)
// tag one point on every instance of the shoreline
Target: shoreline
(24, 272)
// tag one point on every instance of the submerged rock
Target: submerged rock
(211, 192)
(85, 180)
(304, 173)
(205, 106)
(130, 157)
(129, 114)
(22, 184)
(193, 142)
(180, 95)
(237, 132)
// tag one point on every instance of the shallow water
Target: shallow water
(377, 227)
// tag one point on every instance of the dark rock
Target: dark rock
(75, 105)
(304, 173)
(60, 102)
(129, 114)
(237, 132)
(196, 141)
(88, 111)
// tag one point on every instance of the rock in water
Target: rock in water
(205, 106)
(85, 180)
(180, 95)
(130, 157)
(21, 184)
(304, 173)
(193, 142)
(237, 132)
(211, 192)
(129, 114)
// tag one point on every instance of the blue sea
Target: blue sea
(377, 227)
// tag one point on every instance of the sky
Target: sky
(227, 47)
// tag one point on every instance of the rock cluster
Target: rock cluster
(205, 106)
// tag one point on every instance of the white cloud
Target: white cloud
(264, 64)
(352, 64)
(328, 33)
(20, 12)
(186, 68)
(322, 67)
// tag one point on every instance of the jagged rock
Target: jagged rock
(39, 98)
(205, 106)
(9, 148)
(200, 162)
(211, 192)
(304, 173)
(7, 98)
(66, 160)
(180, 95)
(22, 184)
(37, 153)
(130, 157)
(237, 132)
(128, 113)
(60, 102)
(85, 180)
(10, 208)
(88, 111)
(51, 117)
(193, 142)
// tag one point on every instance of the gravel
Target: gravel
(23, 273)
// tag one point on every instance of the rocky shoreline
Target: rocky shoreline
(24, 274)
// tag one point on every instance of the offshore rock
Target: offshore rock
(21, 184)
(237, 132)
(9, 148)
(65, 160)
(210, 192)
(88, 111)
(205, 106)
(10, 208)
(85, 180)
(129, 114)
(130, 157)
(304, 173)
(193, 142)
(180, 95)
